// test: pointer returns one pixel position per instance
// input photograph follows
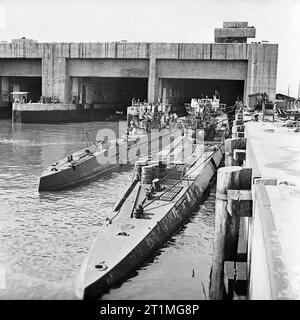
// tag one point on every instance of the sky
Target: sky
(277, 21)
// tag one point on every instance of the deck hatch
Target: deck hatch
(171, 194)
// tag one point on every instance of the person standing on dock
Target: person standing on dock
(194, 137)
(230, 112)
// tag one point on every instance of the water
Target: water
(45, 236)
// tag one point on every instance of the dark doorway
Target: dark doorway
(113, 93)
(33, 85)
(180, 91)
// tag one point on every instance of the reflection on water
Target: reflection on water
(44, 237)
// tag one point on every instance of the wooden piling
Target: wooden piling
(230, 146)
(239, 202)
(237, 134)
(238, 122)
(239, 155)
(242, 251)
(226, 226)
(238, 128)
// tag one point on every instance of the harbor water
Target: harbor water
(44, 237)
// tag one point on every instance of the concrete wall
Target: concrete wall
(4, 98)
(20, 67)
(235, 32)
(55, 81)
(268, 278)
(262, 69)
(117, 50)
(202, 69)
(260, 282)
(57, 62)
(43, 106)
(108, 68)
(235, 24)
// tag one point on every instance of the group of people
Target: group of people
(152, 120)
(199, 104)
(44, 99)
(144, 106)
(231, 110)
(149, 116)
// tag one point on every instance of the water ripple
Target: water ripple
(45, 236)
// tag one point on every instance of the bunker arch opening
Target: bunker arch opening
(181, 91)
(108, 93)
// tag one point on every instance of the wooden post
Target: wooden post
(230, 145)
(240, 284)
(242, 251)
(239, 203)
(238, 122)
(226, 226)
(238, 132)
(229, 276)
(240, 128)
(239, 155)
(235, 279)
(239, 116)
(234, 131)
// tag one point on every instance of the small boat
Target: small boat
(98, 158)
(162, 196)
(101, 156)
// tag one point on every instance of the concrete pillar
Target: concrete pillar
(16, 87)
(55, 81)
(152, 81)
(4, 91)
(262, 69)
(75, 89)
(165, 96)
(75, 86)
(160, 93)
(245, 90)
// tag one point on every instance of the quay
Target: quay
(257, 256)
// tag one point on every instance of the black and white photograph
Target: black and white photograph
(149, 151)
